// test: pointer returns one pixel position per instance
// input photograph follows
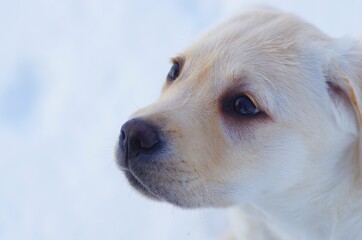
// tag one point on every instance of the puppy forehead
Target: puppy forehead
(233, 53)
(254, 37)
(262, 50)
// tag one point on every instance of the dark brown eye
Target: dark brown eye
(174, 72)
(245, 106)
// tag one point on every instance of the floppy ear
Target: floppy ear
(344, 75)
(344, 80)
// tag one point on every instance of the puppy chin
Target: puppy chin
(139, 186)
(161, 182)
(156, 187)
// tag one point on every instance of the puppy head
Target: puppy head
(252, 108)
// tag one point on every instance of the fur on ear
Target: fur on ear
(344, 78)
(344, 74)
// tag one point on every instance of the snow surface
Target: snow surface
(71, 72)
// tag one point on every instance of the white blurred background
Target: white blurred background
(71, 72)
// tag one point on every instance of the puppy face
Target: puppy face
(246, 112)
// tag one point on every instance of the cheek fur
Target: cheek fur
(242, 129)
(264, 166)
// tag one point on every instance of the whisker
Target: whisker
(124, 169)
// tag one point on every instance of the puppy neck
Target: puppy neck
(325, 205)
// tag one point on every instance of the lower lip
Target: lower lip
(138, 184)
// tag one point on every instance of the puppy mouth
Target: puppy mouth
(138, 185)
(156, 180)
(136, 182)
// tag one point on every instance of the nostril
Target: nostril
(123, 135)
(144, 142)
(137, 144)
(148, 140)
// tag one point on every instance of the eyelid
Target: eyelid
(179, 59)
(252, 100)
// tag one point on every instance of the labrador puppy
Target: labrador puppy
(263, 112)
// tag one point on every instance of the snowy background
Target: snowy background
(71, 72)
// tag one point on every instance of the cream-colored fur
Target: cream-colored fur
(293, 172)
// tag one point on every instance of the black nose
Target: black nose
(138, 137)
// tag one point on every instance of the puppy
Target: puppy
(263, 112)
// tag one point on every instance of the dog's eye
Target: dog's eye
(174, 72)
(244, 105)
